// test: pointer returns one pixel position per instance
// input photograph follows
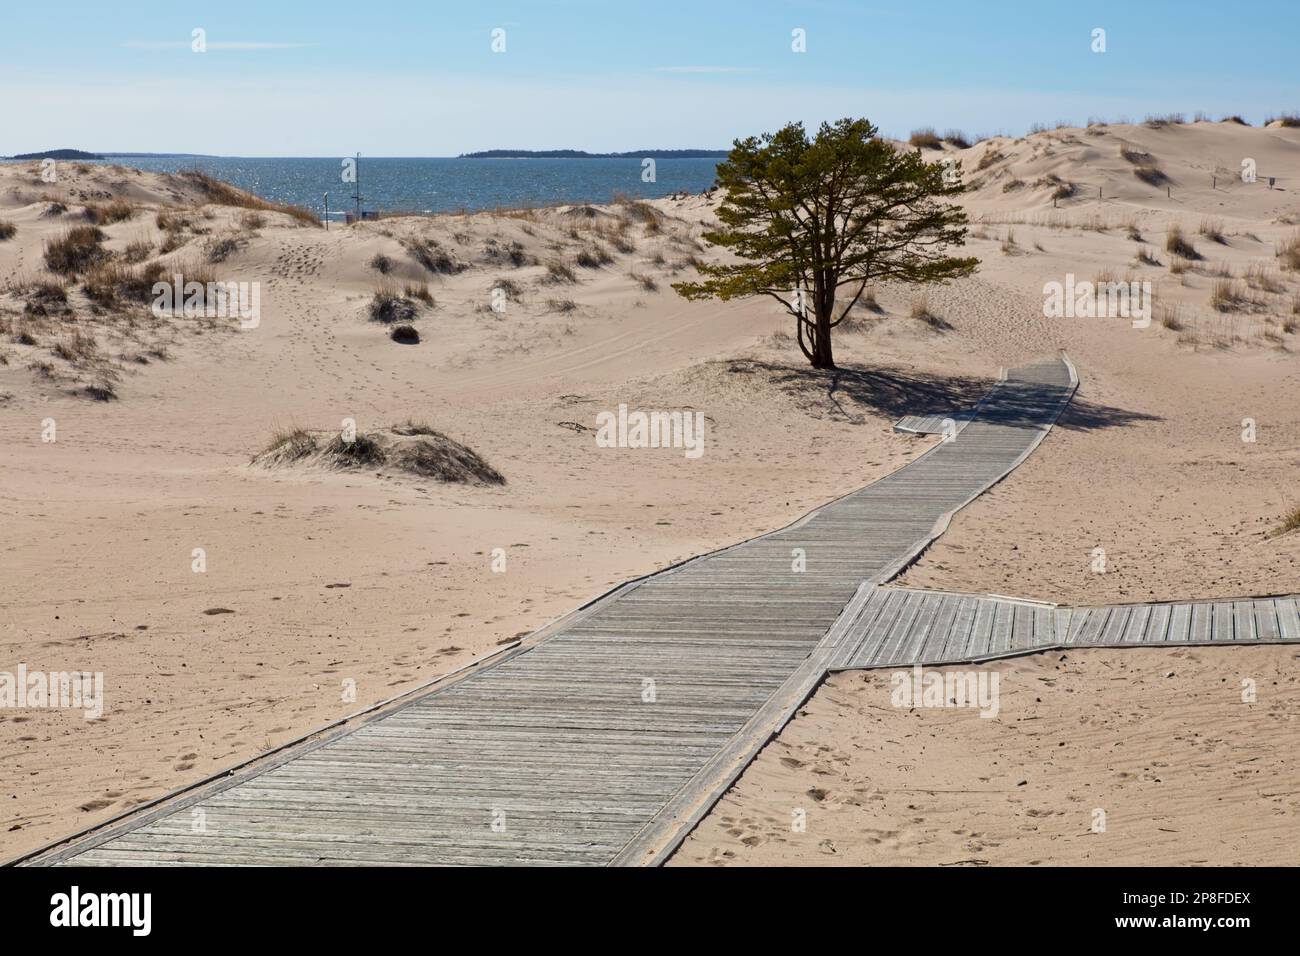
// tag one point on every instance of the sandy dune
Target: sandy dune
(386, 580)
(1183, 771)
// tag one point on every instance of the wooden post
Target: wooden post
(327, 212)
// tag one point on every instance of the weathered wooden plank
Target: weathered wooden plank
(1288, 618)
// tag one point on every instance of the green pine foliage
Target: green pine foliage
(837, 211)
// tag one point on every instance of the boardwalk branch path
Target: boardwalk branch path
(607, 740)
(903, 626)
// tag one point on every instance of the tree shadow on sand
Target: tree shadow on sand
(848, 392)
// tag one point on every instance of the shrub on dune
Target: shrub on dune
(925, 138)
(387, 305)
(116, 210)
(1151, 175)
(557, 272)
(223, 194)
(413, 447)
(1177, 244)
(75, 251)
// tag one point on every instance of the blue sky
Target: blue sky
(399, 78)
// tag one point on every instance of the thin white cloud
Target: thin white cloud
(214, 45)
(705, 69)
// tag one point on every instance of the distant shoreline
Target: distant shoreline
(582, 154)
(76, 154)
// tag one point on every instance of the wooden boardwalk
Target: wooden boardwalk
(604, 741)
(900, 626)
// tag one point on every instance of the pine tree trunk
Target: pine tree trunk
(824, 305)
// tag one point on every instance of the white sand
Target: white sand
(101, 525)
(1182, 771)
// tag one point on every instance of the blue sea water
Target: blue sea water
(442, 185)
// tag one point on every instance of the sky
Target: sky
(421, 77)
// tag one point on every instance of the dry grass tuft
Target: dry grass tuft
(558, 273)
(1288, 252)
(1212, 229)
(1263, 279)
(75, 251)
(1170, 316)
(430, 254)
(1147, 257)
(1290, 521)
(925, 138)
(593, 257)
(223, 194)
(1227, 295)
(221, 248)
(1177, 244)
(1151, 175)
(418, 291)
(412, 447)
(116, 210)
(389, 306)
(922, 312)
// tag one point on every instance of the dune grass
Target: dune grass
(412, 447)
(1290, 522)
(223, 194)
(1179, 245)
(115, 210)
(75, 251)
(925, 138)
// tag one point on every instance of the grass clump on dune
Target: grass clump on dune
(1290, 522)
(925, 138)
(1177, 244)
(1151, 175)
(103, 214)
(108, 283)
(428, 253)
(389, 306)
(7, 229)
(223, 194)
(1227, 296)
(1288, 251)
(413, 447)
(557, 272)
(593, 257)
(75, 251)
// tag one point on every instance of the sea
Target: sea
(442, 185)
